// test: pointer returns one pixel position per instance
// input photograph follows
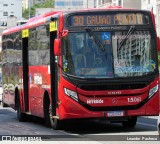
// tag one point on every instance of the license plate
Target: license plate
(115, 113)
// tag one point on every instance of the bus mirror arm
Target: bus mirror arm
(64, 33)
(57, 47)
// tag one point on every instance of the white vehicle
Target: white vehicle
(1, 91)
(158, 125)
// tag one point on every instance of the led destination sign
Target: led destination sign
(108, 19)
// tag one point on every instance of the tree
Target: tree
(46, 4)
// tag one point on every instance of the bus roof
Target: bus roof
(31, 22)
(41, 19)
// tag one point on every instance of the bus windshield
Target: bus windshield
(83, 56)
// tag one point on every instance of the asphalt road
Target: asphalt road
(94, 131)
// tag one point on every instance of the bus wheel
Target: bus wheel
(130, 123)
(20, 116)
(55, 123)
(49, 121)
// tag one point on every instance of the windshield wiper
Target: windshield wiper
(95, 38)
(126, 36)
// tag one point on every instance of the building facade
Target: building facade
(10, 12)
(74, 4)
(123, 3)
(149, 5)
(26, 4)
(79, 4)
(10, 8)
(158, 17)
(154, 6)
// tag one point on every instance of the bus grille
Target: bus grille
(111, 86)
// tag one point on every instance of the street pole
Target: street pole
(29, 8)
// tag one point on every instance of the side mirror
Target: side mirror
(158, 43)
(57, 47)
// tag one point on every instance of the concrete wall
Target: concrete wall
(131, 4)
(40, 11)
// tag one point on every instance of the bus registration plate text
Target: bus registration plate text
(115, 113)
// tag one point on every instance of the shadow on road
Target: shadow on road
(98, 127)
(89, 126)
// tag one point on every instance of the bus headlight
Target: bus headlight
(71, 94)
(152, 91)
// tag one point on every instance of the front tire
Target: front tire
(49, 120)
(130, 123)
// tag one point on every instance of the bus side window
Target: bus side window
(4, 49)
(43, 45)
(32, 47)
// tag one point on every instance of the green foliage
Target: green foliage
(46, 4)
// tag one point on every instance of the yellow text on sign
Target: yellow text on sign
(53, 26)
(25, 33)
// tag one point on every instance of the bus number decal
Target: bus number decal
(134, 99)
(78, 20)
(25, 33)
(53, 26)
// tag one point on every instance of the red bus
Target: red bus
(96, 63)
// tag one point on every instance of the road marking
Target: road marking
(146, 124)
